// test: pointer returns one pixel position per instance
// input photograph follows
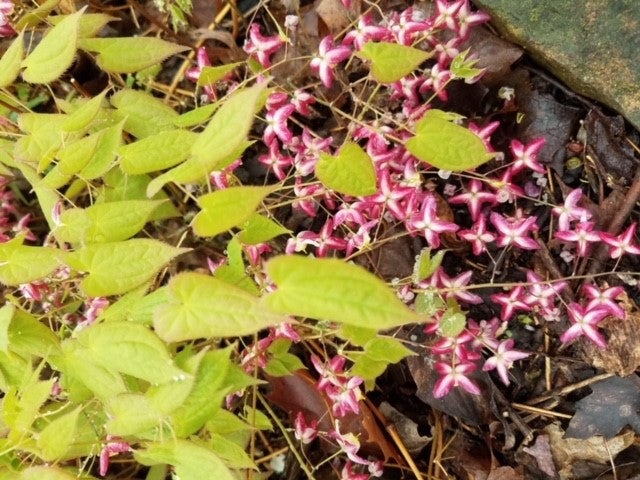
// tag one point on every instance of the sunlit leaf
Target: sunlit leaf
(90, 23)
(156, 152)
(47, 473)
(259, 229)
(83, 116)
(211, 75)
(23, 264)
(426, 264)
(117, 267)
(228, 208)
(130, 414)
(232, 453)
(196, 116)
(34, 17)
(462, 68)
(234, 272)
(129, 348)
(105, 222)
(55, 53)
(350, 172)
(391, 61)
(11, 61)
(145, 115)
(72, 158)
(447, 146)
(6, 315)
(190, 461)
(28, 336)
(201, 306)
(44, 138)
(331, 289)
(54, 440)
(104, 154)
(222, 141)
(452, 322)
(129, 54)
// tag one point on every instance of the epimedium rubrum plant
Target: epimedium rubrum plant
(125, 329)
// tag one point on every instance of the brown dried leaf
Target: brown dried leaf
(297, 393)
(494, 54)
(407, 428)
(541, 452)
(333, 14)
(506, 473)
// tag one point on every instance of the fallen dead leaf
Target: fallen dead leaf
(541, 452)
(506, 473)
(494, 54)
(407, 428)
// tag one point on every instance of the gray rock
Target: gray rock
(591, 45)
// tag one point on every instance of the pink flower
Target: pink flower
(467, 19)
(277, 125)
(542, 294)
(276, 160)
(485, 132)
(261, 47)
(571, 211)
(446, 13)
(511, 302)
(525, 156)
(301, 101)
(455, 287)
(514, 231)
(361, 238)
(621, 244)
(346, 397)
(408, 25)
(348, 443)
(478, 236)
(583, 235)
(454, 376)
(503, 359)
(604, 299)
(365, 31)
(427, 222)
(113, 446)
(328, 57)
(305, 432)
(474, 198)
(193, 74)
(585, 322)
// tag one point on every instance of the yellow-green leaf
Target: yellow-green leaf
(225, 209)
(34, 17)
(131, 414)
(129, 54)
(131, 349)
(224, 138)
(211, 75)
(105, 222)
(55, 53)
(6, 315)
(331, 289)
(45, 136)
(11, 61)
(156, 152)
(350, 172)
(72, 159)
(104, 154)
(145, 115)
(23, 264)
(56, 438)
(117, 267)
(391, 61)
(47, 473)
(447, 146)
(190, 461)
(196, 116)
(201, 306)
(259, 229)
(83, 116)
(90, 23)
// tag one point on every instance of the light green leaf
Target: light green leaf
(190, 461)
(105, 222)
(462, 68)
(387, 349)
(228, 208)
(350, 172)
(211, 75)
(428, 303)
(391, 61)
(48, 473)
(234, 272)
(103, 382)
(90, 23)
(47, 197)
(222, 141)
(32, 397)
(23, 264)
(232, 453)
(28, 336)
(167, 397)
(55, 439)
(196, 116)
(131, 349)
(207, 393)
(145, 114)
(73, 158)
(45, 137)
(129, 54)
(11, 61)
(357, 335)
(202, 306)
(156, 152)
(426, 265)
(452, 322)
(447, 146)
(83, 116)
(117, 267)
(104, 154)
(55, 53)
(259, 229)
(331, 289)
(131, 414)
(6, 315)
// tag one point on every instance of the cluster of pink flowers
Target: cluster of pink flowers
(343, 391)
(6, 8)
